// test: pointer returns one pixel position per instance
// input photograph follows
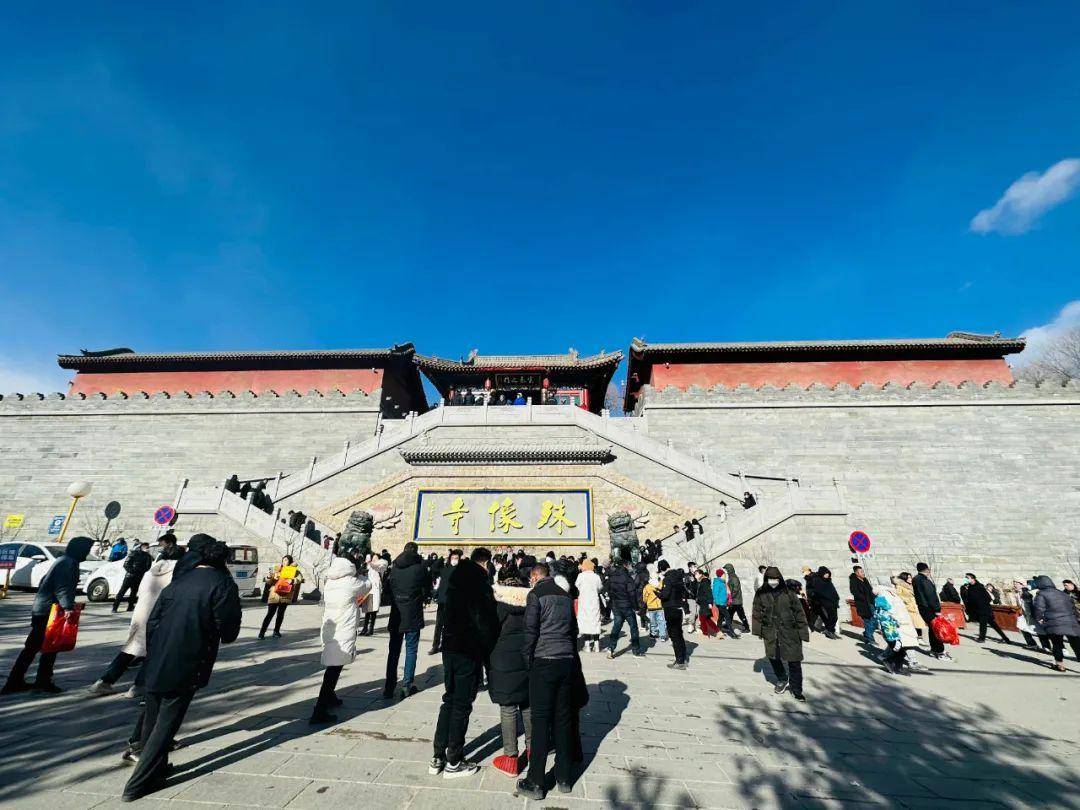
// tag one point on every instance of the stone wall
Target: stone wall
(980, 478)
(136, 449)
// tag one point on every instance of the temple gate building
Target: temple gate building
(927, 445)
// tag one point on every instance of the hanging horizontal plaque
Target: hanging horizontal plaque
(515, 517)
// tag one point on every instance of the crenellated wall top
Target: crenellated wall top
(1018, 392)
(188, 402)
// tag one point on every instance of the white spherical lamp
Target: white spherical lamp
(79, 489)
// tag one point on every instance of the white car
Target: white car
(35, 559)
(106, 579)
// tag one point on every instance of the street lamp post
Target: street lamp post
(80, 489)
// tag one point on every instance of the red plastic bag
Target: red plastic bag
(944, 630)
(62, 630)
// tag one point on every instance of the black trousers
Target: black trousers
(369, 624)
(439, 618)
(130, 586)
(279, 609)
(737, 610)
(673, 617)
(31, 647)
(989, 622)
(326, 692)
(119, 666)
(461, 680)
(792, 674)
(1029, 639)
(936, 647)
(1057, 644)
(161, 721)
(828, 615)
(552, 708)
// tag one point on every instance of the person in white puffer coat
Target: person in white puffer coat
(376, 570)
(344, 591)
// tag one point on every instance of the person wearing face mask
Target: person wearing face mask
(440, 599)
(779, 621)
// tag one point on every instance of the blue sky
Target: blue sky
(525, 177)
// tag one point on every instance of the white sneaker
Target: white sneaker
(458, 769)
(945, 657)
(134, 692)
(99, 687)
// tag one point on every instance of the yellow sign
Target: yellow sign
(456, 512)
(287, 572)
(507, 516)
(503, 516)
(554, 515)
(14, 521)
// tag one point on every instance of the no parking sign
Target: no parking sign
(164, 515)
(859, 542)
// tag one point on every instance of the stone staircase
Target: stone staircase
(312, 558)
(723, 538)
(620, 432)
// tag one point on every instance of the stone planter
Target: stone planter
(953, 611)
(856, 619)
(1005, 616)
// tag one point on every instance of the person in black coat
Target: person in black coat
(929, 605)
(980, 609)
(626, 599)
(409, 587)
(863, 594)
(780, 622)
(57, 587)
(672, 597)
(196, 612)
(508, 674)
(824, 600)
(469, 634)
(550, 651)
(703, 596)
(949, 592)
(443, 573)
(136, 565)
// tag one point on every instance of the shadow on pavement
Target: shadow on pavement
(869, 741)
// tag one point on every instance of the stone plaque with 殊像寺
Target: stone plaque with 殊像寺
(504, 517)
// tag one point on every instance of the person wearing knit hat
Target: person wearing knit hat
(778, 620)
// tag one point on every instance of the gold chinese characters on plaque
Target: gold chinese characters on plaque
(504, 517)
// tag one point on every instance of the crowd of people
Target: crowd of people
(468, 397)
(509, 623)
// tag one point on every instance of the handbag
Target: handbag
(284, 587)
(62, 630)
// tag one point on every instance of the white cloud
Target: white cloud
(1029, 198)
(32, 378)
(1039, 338)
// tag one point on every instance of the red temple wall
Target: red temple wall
(173, 382)
(830, 373)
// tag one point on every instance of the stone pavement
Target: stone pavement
(997, 728)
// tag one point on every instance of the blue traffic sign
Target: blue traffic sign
(56, 525)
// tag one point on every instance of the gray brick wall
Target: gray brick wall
(985, 478)
(136, 450)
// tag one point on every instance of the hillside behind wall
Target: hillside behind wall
(980, 478)
(136, 449)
